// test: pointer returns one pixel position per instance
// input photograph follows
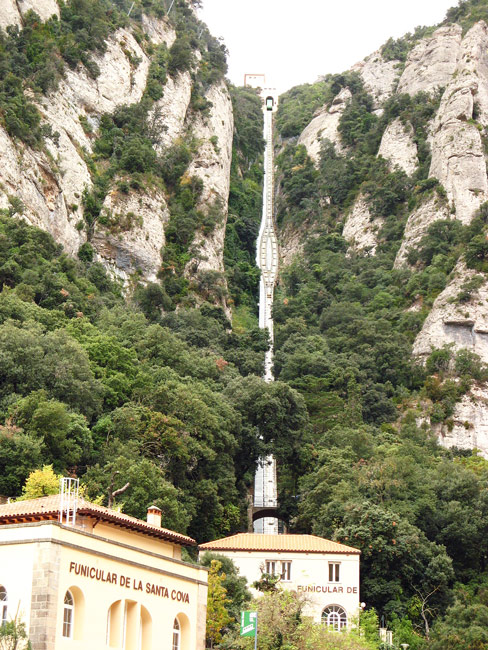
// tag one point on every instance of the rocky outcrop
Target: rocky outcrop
(468, 426)
(51, 189)
(50, 186)
(10, 14)
(360, 229)
(12, 11)
(380, 77)
(291, 245)
(458, 159)
(27, 175)
(120, 80)
(417, 225)
(455, 320)
(398, 147)
(473, 67)
(159, 31)
(325, 125)
(169, 113)
(212, 165)
(432, 62)
(134, 239)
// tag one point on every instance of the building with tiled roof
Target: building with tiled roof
(279, 543)
(326, 572)
(47, 509)
(84, 576)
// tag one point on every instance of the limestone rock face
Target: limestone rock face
(464, 324)
(212, 165)
(120, 81)
(398, 147)
(457, 153)
(52, 195)
(291, 245)
(158, 30)
(360, 228)
(418, 224)
(473, 67)
(432, 62)
(379, 76)
(50, 185)
(169, 113)
(10, 14)
(135, 240)
(325, 126)
(12, 11)
(458, 159)
(43, 8)
(470, 419)
(27, 175)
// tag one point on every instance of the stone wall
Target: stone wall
(44, 603)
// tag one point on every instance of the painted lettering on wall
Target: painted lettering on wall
(327, 589)
(101, 575)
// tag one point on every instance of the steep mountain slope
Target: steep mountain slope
(111, 114)
(398, 146)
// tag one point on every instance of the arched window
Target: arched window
(176, 635)
(3, 605)
(335, 616)
(68, 615)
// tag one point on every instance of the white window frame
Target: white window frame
(334, 569)
(286, 570)
(335, 616)
(3, 605)
(176, 644)
(273, 565)
(68, 615)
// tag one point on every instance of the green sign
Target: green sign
(249, 623)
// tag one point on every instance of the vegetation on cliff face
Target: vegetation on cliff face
(344, 326)
(245, 199)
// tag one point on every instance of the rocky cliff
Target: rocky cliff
(48, 183)
(448, 70)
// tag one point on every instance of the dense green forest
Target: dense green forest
(142, 388)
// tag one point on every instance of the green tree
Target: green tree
(40, 483)
(13, 635)
(235, 585)
(465, 625)
(217, 613)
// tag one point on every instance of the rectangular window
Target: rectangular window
(334, 571)
(286, 571)
(271, 567)
(68, 622)
(3, 611)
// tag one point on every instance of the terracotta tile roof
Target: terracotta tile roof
(47, 508)
(277, 543)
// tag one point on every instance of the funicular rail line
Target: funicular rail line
(265, 484)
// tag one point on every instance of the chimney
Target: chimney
(154, 516)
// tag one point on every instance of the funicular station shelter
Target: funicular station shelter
(106, 581)
(326, 572)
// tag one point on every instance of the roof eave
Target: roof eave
(48, 515)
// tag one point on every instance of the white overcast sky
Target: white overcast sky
(295, 41)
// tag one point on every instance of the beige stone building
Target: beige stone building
(107, 580)
(326, 572)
